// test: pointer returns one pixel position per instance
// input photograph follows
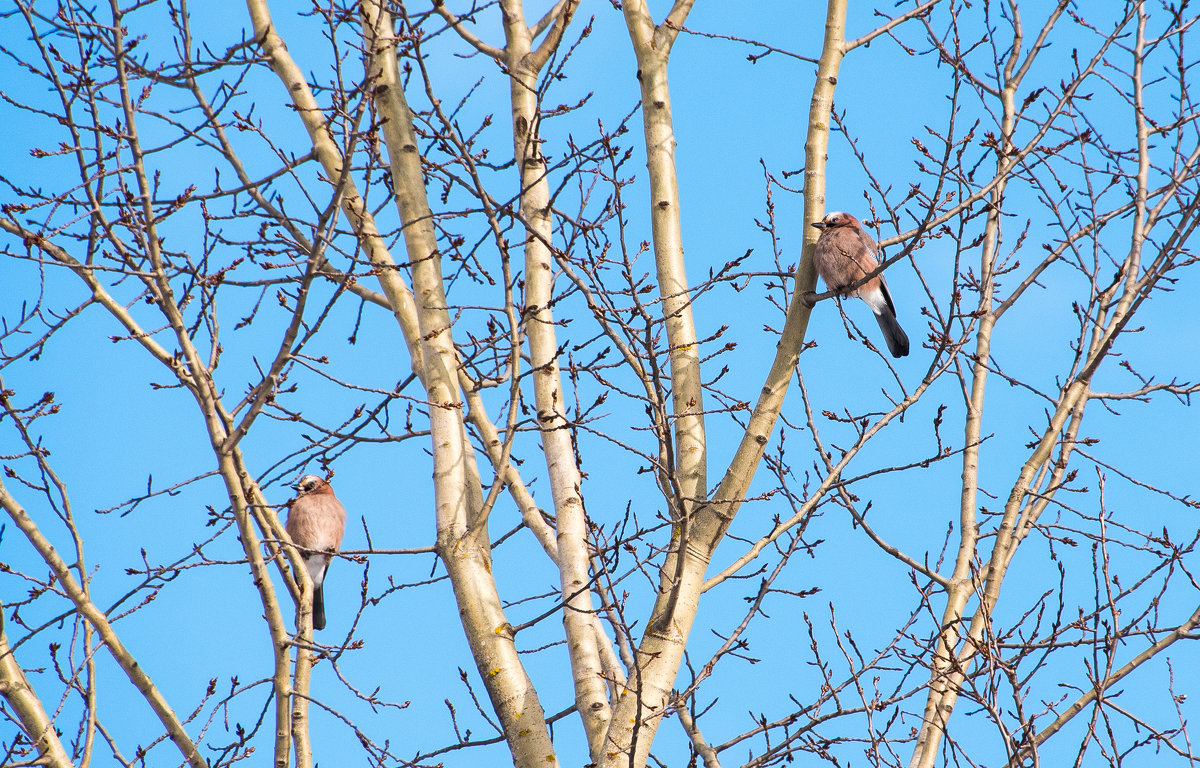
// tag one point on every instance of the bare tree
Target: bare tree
(244, 214)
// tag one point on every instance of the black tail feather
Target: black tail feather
(897, 341)
(319, 608)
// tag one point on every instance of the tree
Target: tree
(617, 504)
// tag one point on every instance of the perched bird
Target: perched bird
(316, 521)
(845, 254)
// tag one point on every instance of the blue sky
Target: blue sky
(732, 118)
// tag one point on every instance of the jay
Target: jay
(845, 254)
(316, 521)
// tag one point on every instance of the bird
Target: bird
(845, 254)
(316, 522)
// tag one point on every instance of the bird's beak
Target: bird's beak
(819, 224)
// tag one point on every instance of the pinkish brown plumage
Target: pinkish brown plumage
(316, 522)
(845, 254)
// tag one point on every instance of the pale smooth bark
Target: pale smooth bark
(652, 47)
(683, 475)
(523, 64)
(425, 324)
(962, 637)
(593, 662)
(639, 710)
(740, 473)
(400, 298)
(36, 724)
(462, 534)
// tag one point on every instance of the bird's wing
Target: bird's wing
(887, 295)
(868, 241)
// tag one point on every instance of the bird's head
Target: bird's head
(837, 219)
(309, 483)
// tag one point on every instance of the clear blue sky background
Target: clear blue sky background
(730, 115)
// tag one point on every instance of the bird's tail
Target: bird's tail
(319, 604)
(896, 339)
